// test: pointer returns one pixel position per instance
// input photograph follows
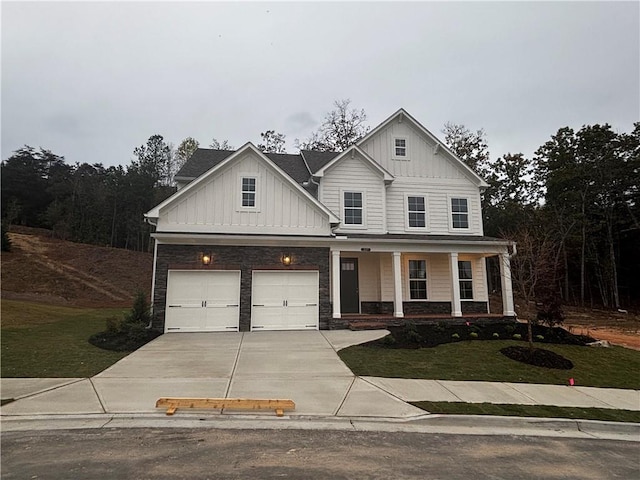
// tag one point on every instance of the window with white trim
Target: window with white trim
(417, 279)
(353, 213)
(465, 277)
(459, 213)
(248, 192)
(416, 211)
(400, 147)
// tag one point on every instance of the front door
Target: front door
(349, 298)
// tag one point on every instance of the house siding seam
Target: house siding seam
(246, 259)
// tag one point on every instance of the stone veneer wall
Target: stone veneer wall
(475, 307)
(243, 258)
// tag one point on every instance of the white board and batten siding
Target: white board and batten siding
(420, 161)
(216, 204)
(438, 200)
(355, 175)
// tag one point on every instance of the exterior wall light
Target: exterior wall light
(206, 259)
(286, 259)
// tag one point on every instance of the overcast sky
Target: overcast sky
(91, 81)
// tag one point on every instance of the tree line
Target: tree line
(573, 207)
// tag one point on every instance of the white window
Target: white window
(353, 211)
(417, 279)
(459, 213)
(400, 148)
(249, 192)
(465, 276)
(416, 211)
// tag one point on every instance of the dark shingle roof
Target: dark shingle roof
(204, 159)
(317, 160)
(292, 164)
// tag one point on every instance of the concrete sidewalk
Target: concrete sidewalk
(302, 366)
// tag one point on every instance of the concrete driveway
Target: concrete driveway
(298, 365)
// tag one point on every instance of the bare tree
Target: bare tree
(272, 142)
(224, 145)
(185, 150)
(341, 128)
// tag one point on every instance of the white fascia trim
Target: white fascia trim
(340, 242)
(155, 212)
(402, 112)
(388, 177)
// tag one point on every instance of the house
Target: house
(391, 228)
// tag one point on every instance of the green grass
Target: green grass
(614, 367)
(547, 411)
(50, 341)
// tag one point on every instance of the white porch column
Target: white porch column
(335, 282)
(456, 306)
(507, 288)
(397, 286)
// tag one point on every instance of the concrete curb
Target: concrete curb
(435, 424)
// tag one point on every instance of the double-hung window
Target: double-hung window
(399, 148)
(353, 214)
(248, 192)
(417, 279)
(417, 212)
(459, 213)
(465, 276)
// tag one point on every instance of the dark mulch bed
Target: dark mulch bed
(432, 335)
(121, 342)
(411, 336)
(538, 357)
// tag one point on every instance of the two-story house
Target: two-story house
(390, 227)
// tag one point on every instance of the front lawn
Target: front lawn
(548, 411)
(481, 360)
(41, 340)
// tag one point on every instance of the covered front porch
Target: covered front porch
(379, 285)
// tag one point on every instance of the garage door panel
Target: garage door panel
(284, 300)
(199, 301)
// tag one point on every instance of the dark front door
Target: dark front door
(349, 299)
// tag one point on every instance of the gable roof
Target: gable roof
(225, 160)
(316, 160)
(403, 114)
(204, 159)
(388, 178)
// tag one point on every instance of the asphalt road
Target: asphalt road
(263, 454)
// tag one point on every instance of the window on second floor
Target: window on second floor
(416, 211)
(465, 277)
(353, 214)
(459, 213)
(400, 148)
(417, 279)
(248, 192)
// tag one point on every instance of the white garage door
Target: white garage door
(284, 300)
(202, 301)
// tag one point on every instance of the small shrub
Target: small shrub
(455, 336)
(388, 341)
(112, 325)
(510, 329)
(6, 241)
(475, 329)
(440, 327)
(473, 335)
(496, 335)
(539, 338)
(517, 336)
(411, 332)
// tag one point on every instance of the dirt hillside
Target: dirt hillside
(44, 269)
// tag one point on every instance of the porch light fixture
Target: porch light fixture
(286, 259)
(206, 259)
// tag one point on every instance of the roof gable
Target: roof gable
(351, 152)
(225, 160)
(402, 115)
